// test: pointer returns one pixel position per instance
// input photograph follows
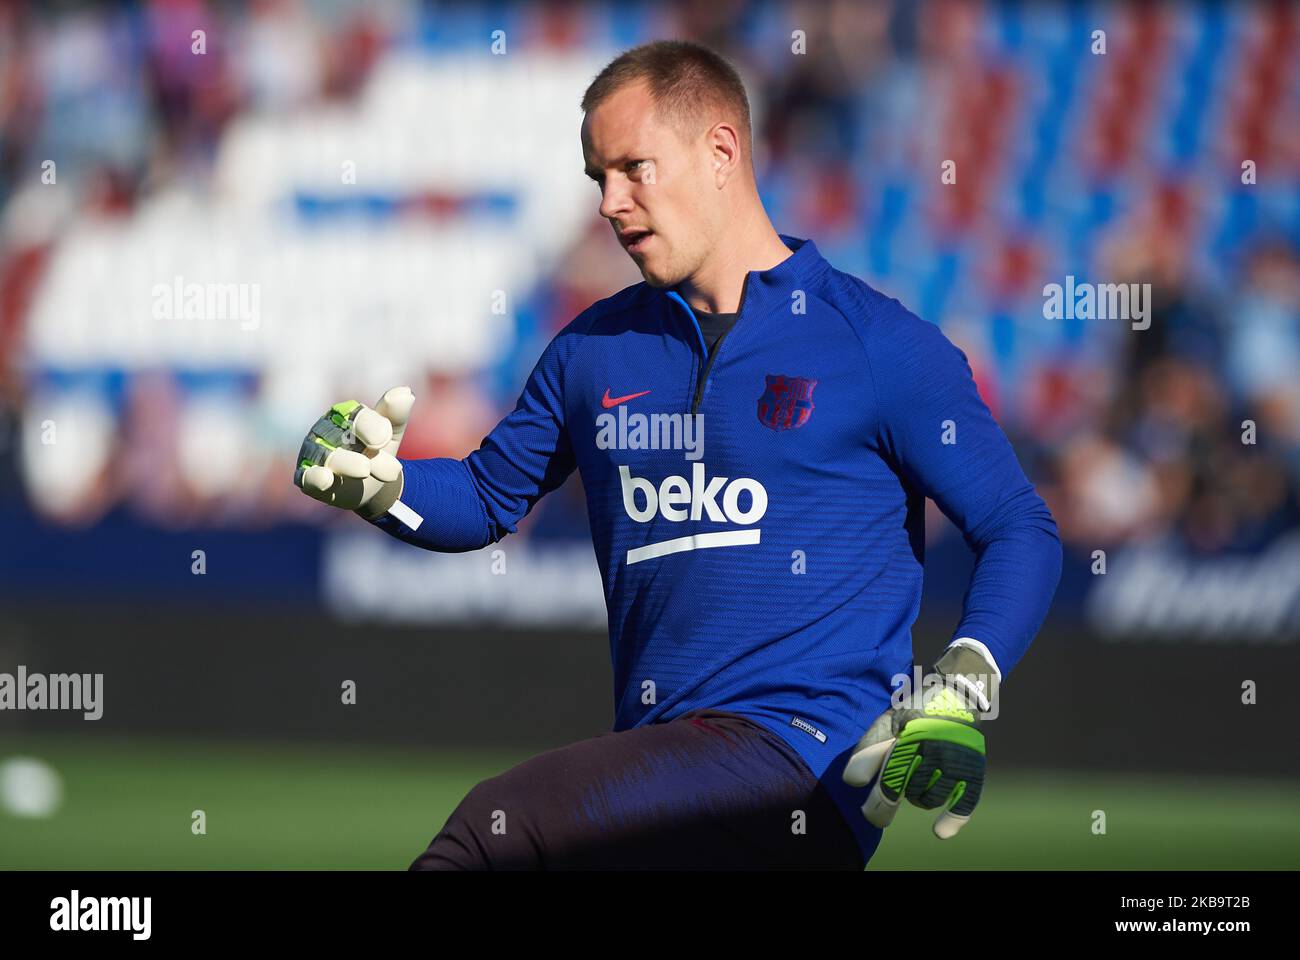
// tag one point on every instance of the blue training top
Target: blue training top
(758, 516)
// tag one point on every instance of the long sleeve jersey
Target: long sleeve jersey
(758, 514)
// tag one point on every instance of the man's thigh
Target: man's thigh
(708, 790)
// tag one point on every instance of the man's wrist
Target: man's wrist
(973, 670)
(979, 648)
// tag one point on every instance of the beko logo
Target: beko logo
(677, 499)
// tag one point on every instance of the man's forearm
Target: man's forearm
(1017, 568)
(441, 491)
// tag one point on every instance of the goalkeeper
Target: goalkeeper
(757, 434)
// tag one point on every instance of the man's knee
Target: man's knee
(486, 831)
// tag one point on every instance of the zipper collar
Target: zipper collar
(674, 295)
(764, 289)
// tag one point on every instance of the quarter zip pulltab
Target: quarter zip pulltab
(704, 377)
(708, 358)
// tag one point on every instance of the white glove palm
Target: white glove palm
(349, 458)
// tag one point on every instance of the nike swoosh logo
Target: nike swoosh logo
(606, 401)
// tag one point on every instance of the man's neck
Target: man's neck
(751, 245)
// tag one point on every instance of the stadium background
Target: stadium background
(406, 168)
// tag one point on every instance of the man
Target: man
(756, 434)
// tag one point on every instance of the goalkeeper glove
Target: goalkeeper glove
(349, 458)
(930, 750)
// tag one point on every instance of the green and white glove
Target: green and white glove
(931, 751)
(349, 458)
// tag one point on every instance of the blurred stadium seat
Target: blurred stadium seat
(222, 226)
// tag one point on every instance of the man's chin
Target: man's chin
(657, 280)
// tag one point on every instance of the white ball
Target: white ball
(29, 787)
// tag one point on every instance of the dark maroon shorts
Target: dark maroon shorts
(709, 790)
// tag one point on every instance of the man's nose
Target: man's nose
(614, 200)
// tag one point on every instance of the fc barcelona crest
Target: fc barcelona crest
(786, 403)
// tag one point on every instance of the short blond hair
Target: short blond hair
(690, 84)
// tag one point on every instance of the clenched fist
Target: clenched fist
(349, 458)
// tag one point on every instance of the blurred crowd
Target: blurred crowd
(1192, 432)
(1122, 166)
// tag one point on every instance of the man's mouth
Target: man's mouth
(634, 241)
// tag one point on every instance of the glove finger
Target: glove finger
(332, 433)
(962, 795)
(395, 406)
(960, 768)
(343, 492)
(943, 791)
(372, 429)
(864, 764)
(349, 463)
(923, 786)
(317, 480)
(312, 451)
(880, 806)
(385, 467)
(970, 795)
(947, 825)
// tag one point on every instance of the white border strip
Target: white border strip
(696, 541)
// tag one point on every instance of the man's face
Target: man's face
(657, 191)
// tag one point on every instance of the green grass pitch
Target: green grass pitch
(127, 804)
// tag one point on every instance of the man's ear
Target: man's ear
(724, 148)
